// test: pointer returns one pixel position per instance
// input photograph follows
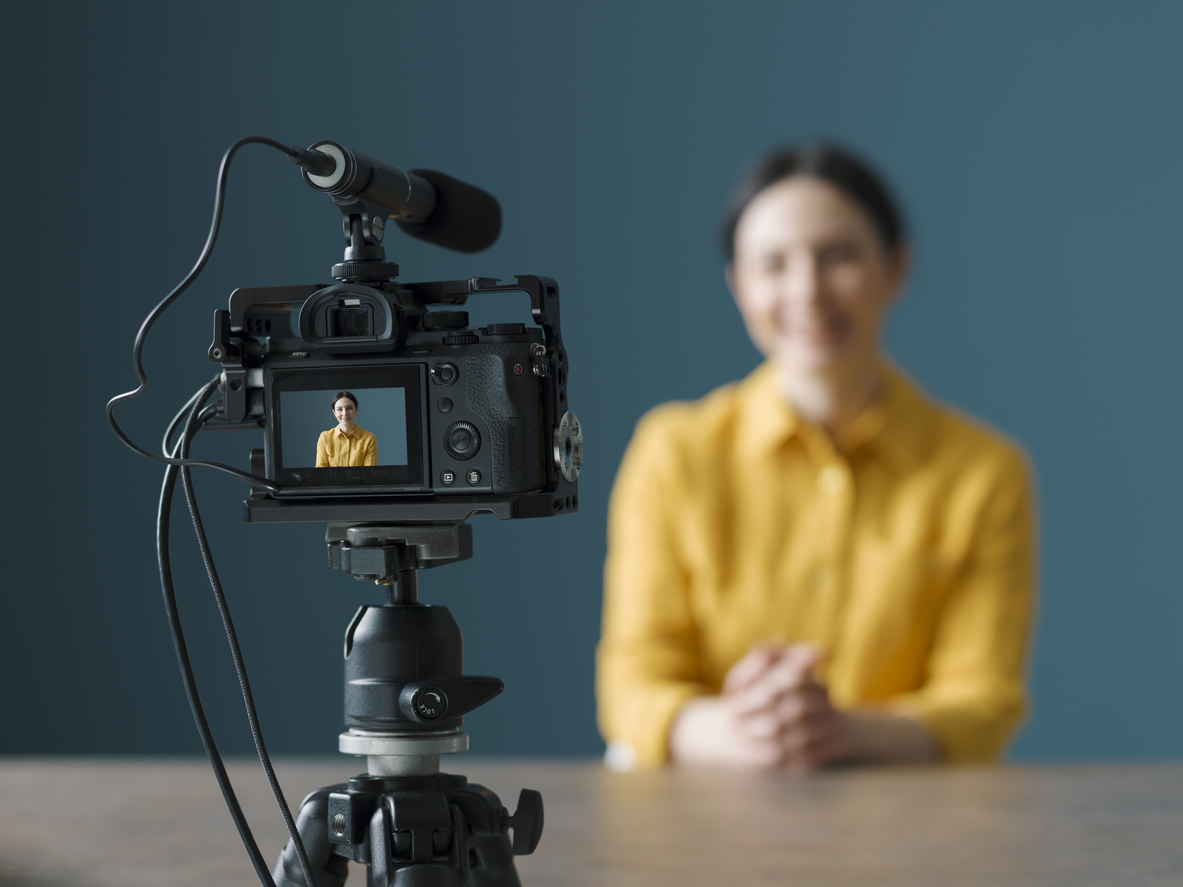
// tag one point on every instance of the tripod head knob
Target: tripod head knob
(526, 822)
(436, 699)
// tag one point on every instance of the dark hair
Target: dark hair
(834, 165)
(341, 394)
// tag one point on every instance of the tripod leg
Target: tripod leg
(493, 865)
(329, 869)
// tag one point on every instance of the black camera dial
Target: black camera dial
(445, 320)
(568, 444)
(462, 440)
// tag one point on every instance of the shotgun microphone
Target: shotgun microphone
(425, 204)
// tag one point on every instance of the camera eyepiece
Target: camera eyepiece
(348, 318)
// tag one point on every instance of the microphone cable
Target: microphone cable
(296, 155)
(198, 413)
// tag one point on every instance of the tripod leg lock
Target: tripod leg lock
(418, 839)
(526, 822)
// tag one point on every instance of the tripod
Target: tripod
(405, 697)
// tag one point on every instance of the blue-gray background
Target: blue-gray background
(1038, 147)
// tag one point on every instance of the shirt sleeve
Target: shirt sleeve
(975, 696)
(322, 455)
(646, 665)
(371, 451)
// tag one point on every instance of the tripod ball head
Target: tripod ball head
(404, 671)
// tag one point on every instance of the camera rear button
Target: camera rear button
(473, 476)
(444, 373)
(445, 405)
(447, 477)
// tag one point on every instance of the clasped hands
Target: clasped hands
(772, 712)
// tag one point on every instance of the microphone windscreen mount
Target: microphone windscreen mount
(465, 219)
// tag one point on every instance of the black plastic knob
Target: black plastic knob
(445, 698)
(431, 703)
(527, 822)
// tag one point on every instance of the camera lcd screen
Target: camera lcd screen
(307, 414)
(383, 447)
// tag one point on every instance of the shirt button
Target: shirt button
(831, 480)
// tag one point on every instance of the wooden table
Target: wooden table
(127, 823)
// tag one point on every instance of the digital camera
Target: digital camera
(463, 419)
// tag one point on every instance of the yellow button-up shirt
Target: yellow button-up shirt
(904, 547)
(336, 449)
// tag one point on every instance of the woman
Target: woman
(348, 445)
(818, 563)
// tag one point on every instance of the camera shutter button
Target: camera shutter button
(462, 440)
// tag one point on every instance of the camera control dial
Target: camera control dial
(568, 442)
(445, 320)
(462, 440)
(362, 271)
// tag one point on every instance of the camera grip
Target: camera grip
(511, 407)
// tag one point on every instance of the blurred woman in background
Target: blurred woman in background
(818, 563)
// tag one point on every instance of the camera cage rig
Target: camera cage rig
(238, 352)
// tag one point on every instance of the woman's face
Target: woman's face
(345, 411)
(812, 277)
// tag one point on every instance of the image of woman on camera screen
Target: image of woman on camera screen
(348, 445)
(819, 563)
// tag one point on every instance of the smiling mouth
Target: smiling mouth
(828, 333)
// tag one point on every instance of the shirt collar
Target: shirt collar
(768, 419)
(895, 426)
(341, 433)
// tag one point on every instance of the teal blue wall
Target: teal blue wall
(1038, 147)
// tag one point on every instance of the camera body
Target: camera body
(465, 419)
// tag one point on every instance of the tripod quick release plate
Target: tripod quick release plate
(383, 551)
